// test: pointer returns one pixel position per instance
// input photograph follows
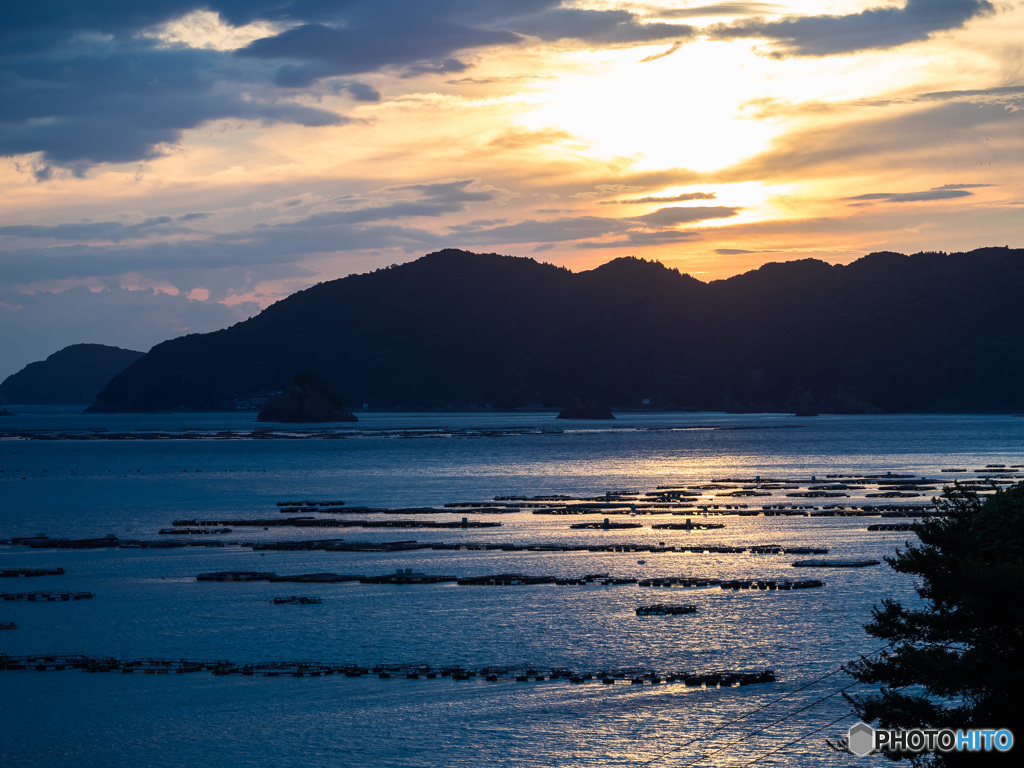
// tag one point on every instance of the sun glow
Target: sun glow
(681, 110)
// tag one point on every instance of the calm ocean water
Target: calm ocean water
(148, 603)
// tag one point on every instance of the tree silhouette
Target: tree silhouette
(958, 660)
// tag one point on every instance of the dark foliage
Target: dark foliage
(462, 330)
(958, 661)
(307, 399)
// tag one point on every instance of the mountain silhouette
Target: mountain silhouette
(73, 375)
(888, 332)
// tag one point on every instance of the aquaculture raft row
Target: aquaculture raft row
(13, 573)
(665, 609)
(340, 545)
(632, 675)
(45, 596)
(407, 576)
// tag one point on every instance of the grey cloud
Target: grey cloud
(669, 199)
(121, 105)
(364, 37)
(658, 227)
(43, 25)
(359, 91)
(375, 213)
(196, 262)
(717, 9)
(532, 230)
(287, 243)
(506, 79)
(642, 239)
(241, 249)
(664, 217)
(98, 230)
(597, 27)
(453, 191)
(912, 197)
(1009, 97)
(964, 186)
(325, 50)
(975, 94)
(871, 29)
(83, 84)
(446, 67)
(79, 261)
(886, 141)
(431, 199)
(481, 223)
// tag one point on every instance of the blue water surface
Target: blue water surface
(131, 475)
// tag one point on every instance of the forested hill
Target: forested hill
(70, 376)
(888, 332)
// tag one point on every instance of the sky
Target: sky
(175, 166)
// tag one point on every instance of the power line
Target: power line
(951, 663)
(754, 711)
(794, 741)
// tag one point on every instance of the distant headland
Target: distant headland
(71, 376)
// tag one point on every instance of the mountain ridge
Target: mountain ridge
(457, 329)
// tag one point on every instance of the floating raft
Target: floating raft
(37, 542)
(630, 675)
(107, 542)
(665, 609)
(293, 600)
(9, 573)
(519, 579)
(687, 526)
(320, 522)
(891, 527)
(474, 508)
(835, 563)
(50, 597)
(192, 531)
(770, 584)
(236, 576)
(606, 525)
(317, 578)
(679, 581)
(406, 576)
(310, 504)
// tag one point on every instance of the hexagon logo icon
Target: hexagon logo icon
(861, 739)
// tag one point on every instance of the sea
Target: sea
(69, 475)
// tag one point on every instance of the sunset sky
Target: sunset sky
(172, 166)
